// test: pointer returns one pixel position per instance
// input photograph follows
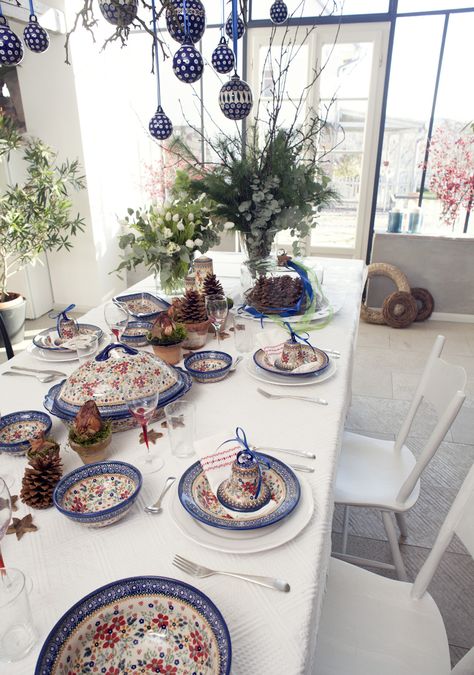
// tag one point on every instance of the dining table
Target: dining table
(270, 631)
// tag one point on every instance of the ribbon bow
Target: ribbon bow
(62, 321)
(247, 455)
(296, 337)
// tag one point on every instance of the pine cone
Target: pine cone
(269, 294)
(175, 312)
(193, 308)
(212, 286)
(40, 479)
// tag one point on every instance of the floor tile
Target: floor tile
(370, 382)
(404, 384)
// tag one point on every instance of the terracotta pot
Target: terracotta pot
(92, 453)
(197, 335)
(169, 353)
(13, 314)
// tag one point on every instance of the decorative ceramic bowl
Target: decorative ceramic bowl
(19, 428)
(245, 490)
(136, 332)
(208, 366)
(139, 625)
(295, 354)
(143, 306)
(98, 494)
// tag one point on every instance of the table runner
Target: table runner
(271, 632)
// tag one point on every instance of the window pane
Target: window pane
(431, 5)
(305, 8)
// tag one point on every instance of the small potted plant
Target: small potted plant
(166, 338)
(89, 435)
(190, 310)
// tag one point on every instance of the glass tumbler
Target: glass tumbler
(86, 348)
(180, 417)
(17, 631)
(243, 334)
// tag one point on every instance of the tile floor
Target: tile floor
(387, 367)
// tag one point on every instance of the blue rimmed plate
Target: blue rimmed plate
(200, 502)
(136, 332)
(140, 624)
(143, 305)
(322, 362)
(19, 428)
(50, 341)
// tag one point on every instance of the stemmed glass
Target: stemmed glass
(116, 317)
(217, 310)
(142, 405)
(5, 513)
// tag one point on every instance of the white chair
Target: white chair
(371, 625)
(386, 475)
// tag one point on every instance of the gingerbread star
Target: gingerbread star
(152, 436)
(224, 336)
(21, 525)
(14, 499)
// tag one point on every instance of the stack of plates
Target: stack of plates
(46, 345)
(201, 518)
(260, 369)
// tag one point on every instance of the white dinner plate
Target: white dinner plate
(283, 381)
(50, 357)
(254, 541)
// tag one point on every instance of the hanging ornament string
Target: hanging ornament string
(185, 22)
(296, 337)
(32, 9)
(155, 50)
(234, 30)
(223, 18)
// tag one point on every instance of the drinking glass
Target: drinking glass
(5, 513)
(116, 317)
(86, 348)
(142, 405)
(243, 334)
(217, 310)
(180, 416)
(17, 631)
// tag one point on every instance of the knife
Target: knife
(289, 451)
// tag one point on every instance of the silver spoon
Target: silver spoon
(41, 378)
(235, 363)
(156, 507)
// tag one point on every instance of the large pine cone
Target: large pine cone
(270, 294)
(40, 479)
(193, 308)
(212, 286)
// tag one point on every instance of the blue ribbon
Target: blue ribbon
(61, 316)
(32, 9)
(234, 30)
(185, 20)
(155, 49)
(295, 337)
(241, 438)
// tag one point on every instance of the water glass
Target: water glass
(86, 348)
(180, 417)
(17, 631)
(243, 334)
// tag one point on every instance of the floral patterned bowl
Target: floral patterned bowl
(139, 625)
(98, 494)
(19, 428)
(208, 366)
(136, 332)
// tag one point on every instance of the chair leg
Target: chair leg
(345, 529)
(392, 540)
(402, 524)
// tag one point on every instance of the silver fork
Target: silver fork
(310, 399)
(202, 572)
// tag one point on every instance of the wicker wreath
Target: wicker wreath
(425, 303)
(399, 309)
(370, 314)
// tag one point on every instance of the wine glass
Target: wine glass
(116, 317)
(5, 513)
(142, 405)
(217, 309)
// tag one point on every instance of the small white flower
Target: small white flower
(191, 216)
(180, 226)
(190, 243)
(176, 217)
(228, 225)
(168, 216)
(160, 221)
(198, 242)
(167, 233)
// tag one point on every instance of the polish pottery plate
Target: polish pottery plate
(283, 381)
(139, 625)
(201, 503)
(49, 339)
(320, 364)
(51, 356)
(144, 306)
(19, 428)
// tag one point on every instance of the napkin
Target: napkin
(268, 341)
(216, 461)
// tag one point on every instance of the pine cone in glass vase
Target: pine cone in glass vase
(270, 295)
(40, 479)
(193, 308)
(213, 287)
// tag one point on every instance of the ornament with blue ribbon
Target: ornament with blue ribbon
(235, 99)
(34, 35)
(160, 125)
(223, 57)
(278, 12)
(119, 13)
(186, 23)
(229, 27)
(66, 327)
(11, 48)
(187, 63)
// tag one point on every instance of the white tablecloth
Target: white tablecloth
(271, 632)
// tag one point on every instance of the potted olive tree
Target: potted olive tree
(35, 216)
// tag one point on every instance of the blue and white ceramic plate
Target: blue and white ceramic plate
(143, 306)
(19, 428)
(136, 332)
(49, 339)
(139, 625)
(261, 360)
(281, 381)
(201, 503)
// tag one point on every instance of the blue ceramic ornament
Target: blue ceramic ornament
(278, 12)
(223, 57)
(11, 49)
(120, 12)
(196, 20)
(160, 126)
(240, 27)
(35, 36)
(188, 64)
(235, 99)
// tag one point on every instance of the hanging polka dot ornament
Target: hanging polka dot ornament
(278, 12)
(11, 49)
(119, 12)
(235, 99)
(188, 64)
(160, 126)
(223, 57)
(35, 36)
(195, 18)
(240, 27)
